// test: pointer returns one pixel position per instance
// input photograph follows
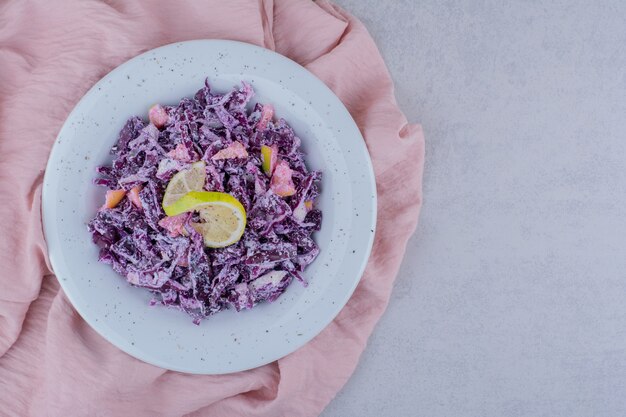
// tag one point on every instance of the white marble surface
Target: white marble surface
(512, 298)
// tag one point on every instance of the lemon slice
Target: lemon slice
(223, 216)
(187, 180)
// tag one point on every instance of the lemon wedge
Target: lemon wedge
(269, 155)
(223, 217)
(182, 182)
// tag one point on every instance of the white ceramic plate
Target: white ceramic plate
(228, 341)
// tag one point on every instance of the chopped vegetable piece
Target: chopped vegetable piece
(234, 150)
(133, 196)
(113, 198)
(282, 182)
(158, 116)
(266, 115)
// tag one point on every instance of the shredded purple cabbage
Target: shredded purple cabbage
(165, 254)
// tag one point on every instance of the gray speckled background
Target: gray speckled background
(512, 298)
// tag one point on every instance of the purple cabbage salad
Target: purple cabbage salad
(165, 254)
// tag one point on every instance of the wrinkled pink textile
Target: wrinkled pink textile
(51, 362)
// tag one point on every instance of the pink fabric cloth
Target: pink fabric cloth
(51, 362)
